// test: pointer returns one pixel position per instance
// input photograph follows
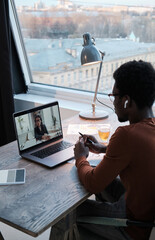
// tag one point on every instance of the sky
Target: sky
(91, 2)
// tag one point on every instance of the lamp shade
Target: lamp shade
(89, 53)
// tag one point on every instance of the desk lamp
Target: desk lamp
(91, 55)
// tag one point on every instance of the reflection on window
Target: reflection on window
(53, 30)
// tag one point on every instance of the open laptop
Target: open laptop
(40, 137)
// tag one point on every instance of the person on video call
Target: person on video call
(40, 129)
(130, 155)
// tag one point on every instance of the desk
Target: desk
(48, 194)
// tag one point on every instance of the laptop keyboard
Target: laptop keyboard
(43, 153)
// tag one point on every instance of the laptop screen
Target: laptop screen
(38, 125)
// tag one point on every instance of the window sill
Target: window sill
(71, 102)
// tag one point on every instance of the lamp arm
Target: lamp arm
(97, 84)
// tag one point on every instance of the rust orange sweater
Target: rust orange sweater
(130, 154)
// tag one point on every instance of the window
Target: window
(52, 37)
(92, 72)
(62, 79)
(87, 73)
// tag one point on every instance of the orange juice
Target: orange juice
(104, 134)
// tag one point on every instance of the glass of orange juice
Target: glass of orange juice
(104, 132)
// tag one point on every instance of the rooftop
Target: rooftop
(54, 54)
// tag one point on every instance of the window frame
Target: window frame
(18, 38)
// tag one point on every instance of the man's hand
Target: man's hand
(95, 146)
(81, 150)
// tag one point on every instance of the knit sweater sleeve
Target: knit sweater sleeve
(115, 160)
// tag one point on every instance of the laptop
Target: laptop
(40, 136)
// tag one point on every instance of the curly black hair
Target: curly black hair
(137, 80)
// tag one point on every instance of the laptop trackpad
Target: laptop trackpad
(59, 157)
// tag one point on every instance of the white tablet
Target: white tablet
(12, 176)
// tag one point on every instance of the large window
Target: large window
(52, 31)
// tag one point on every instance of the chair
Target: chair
(117, 222)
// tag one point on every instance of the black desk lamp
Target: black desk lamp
(91, 55)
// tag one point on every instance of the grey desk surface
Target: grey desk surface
(46, 197)
(48, 194)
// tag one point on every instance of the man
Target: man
(130, 154)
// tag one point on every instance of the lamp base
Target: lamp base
(97, 115)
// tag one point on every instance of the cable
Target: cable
(105, 104)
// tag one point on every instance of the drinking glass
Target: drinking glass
(104, 132)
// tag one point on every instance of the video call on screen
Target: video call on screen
(39, 126)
